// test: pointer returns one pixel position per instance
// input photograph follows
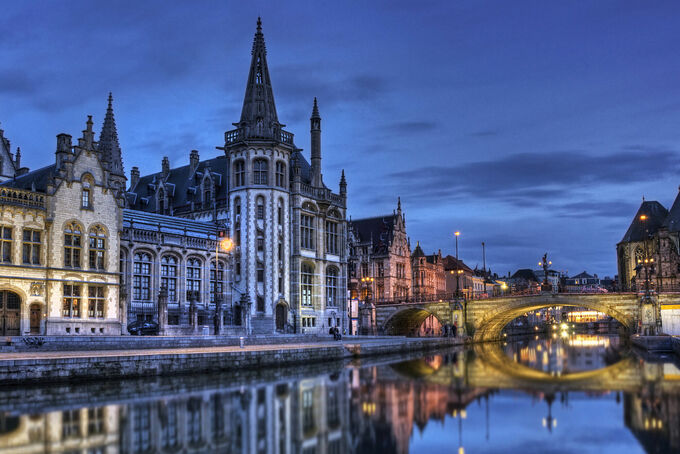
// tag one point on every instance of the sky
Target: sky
(532, 126)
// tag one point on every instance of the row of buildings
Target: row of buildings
(85, 250)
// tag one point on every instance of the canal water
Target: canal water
(567, 393)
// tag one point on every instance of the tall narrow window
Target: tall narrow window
(331, 237)
(97, 248)
(260, 303)
(141, 277)
(72, 245)
(307, 231)
(381, 269)
(31, 249)
(331, 286)
(260, 272)
(307, 281)
(280, 174)
(194, 277)
(216, 281)
(169, 276)
(259, 206)
(260, 171)
(6, 246)
(207, 197)
(279, 213)
(237, 222)
(239, 173)
(85, 195)
(71, 308)
(260, 241)
(95, 294)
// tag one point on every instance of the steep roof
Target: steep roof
(639, 229)
(583, 275)
(182, 185)
(450, 264)
(525, 273)
(417, 252)
(108, 146)
(379, 229)
(672, 222)
(36, 180)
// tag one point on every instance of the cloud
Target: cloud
(522, 178)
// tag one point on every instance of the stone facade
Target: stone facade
(60, 242)
(288, 268)
(650, 249)
(429, 276)
(379, 250)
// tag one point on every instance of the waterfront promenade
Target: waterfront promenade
(53, 366)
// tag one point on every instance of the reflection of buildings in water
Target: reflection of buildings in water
(390, 406)
(309, 416)
(653, 416)
(559, 355)
(92, 430)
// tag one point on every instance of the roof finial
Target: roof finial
(259, 24)
(315, 110)
(110, 101)
(643, 197)
(398, 203)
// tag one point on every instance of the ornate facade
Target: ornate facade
(60, 239)
(649, 251)
(287, 271)
(429, 277)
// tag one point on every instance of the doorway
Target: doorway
(10, 313)
(36, 317)
(281, 317)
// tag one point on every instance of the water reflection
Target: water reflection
(565, 353)
(458, 401)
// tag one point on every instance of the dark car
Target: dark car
(142, 328)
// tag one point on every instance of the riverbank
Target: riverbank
(59, 366)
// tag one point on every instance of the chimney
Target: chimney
(193, 161)
(165, 164)
(134, 177)
(64, 148)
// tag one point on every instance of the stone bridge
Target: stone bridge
(486, 318)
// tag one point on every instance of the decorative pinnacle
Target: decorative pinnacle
(110, 101)
(259, 24)
(315, 110)
(399, 203)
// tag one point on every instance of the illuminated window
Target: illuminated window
(306, 286)
(95, 296)
(72, 245)
(72, 295)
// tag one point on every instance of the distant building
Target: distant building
(428, 273)
(524, 280)
(580, 282)
(453, 268)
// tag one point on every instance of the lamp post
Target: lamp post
(225, 244)
(545, 263)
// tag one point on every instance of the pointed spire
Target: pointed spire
(315, 110)
(109, 148)
(343, 184)
(315, 132)
(258, 116)
(399, 204)
(17, 159)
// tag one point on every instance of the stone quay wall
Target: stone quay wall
(140, 363)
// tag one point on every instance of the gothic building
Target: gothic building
(429, 277)
(380, 257)
(649, 249)
(287, 270)
(59, 230)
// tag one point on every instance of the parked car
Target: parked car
(143, 328)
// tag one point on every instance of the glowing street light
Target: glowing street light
(226, 244)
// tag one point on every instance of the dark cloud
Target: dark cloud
(530, 177)
(16, 82)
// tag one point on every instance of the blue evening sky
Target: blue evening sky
(531, 125)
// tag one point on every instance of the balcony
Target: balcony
(22, 198)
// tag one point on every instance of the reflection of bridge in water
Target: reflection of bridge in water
(487, 317)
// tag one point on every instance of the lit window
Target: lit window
(95, 301)
(71, 308)
(307, 281)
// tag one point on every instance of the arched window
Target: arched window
(280, 174)
(72, 245)
(259, 207)
(307, 282)
(169, 276)
(97, 248)
(216, 281)
(331, 286)
(260, 171)
(239, 173)
(141, 277)
(194, 277)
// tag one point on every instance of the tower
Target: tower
(259, 153)
(109, 149)
(315, 132)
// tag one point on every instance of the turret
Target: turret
(343, 184)
(64, 150)
(17, 160)
(87, 141)
(315, 132)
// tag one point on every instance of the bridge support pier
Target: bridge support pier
(650, 316)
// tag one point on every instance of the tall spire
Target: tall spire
(109, 148)
(315, 131)
(258, 116)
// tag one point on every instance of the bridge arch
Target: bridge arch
(405, 321)
(489, 321)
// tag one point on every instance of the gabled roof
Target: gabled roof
(417, 252)
(450, 264)
(182, 185)
(583, 275)
(640, 229)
